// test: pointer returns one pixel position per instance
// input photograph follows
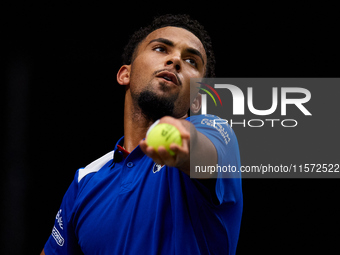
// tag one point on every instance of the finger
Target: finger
(143, 145)
(166, 157)
(163, 153)
(149, 151)
(152, 153)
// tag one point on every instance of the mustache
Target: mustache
(159, 71)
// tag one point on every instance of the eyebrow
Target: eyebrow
(171, 43)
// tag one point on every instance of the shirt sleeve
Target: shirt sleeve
(228, 183)
(62, 239)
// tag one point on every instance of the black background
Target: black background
(62, 108)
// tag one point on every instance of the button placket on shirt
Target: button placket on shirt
(129, 164)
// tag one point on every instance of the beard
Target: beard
(154, 106)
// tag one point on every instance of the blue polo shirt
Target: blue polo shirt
(134, 206)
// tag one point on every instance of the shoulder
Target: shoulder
(94, 166)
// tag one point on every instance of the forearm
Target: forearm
(202, 152)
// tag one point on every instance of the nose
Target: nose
(175, 61)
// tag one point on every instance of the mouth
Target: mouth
(169, 76)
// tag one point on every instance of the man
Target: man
(135, 200)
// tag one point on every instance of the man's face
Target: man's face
(163, 65)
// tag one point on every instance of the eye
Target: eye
(160, 49)
(191, 61)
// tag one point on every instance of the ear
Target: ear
(123, 75)
(196, 104)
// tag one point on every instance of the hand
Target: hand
(182, 157)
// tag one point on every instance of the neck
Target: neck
(135, 124)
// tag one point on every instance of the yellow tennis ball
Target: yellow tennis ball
(163, 134)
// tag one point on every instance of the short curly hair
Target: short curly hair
(179, 20)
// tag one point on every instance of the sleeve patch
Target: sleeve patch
(57, 236)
